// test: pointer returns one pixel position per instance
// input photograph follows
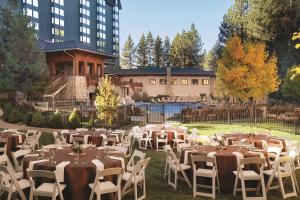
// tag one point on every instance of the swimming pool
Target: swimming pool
(158, 113)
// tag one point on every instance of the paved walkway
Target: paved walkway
(6, 125)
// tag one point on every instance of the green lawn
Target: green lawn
(157, 187)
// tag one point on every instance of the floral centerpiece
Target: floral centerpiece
(77, 149)
(220, 141)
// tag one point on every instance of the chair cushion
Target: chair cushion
(248, 175)
(104, 187)
(48, 188)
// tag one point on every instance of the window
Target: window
(195, 82)
(183, 81)
(205, 81)
(174, 82)
(152, 81)
(163, 81)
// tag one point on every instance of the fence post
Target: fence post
(147, 113)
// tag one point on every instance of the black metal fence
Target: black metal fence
(286, 119)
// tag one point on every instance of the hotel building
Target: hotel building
(79, 38)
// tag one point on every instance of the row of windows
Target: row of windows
(58, 21)
(58, 11)
(101, 35)
(85, 39)
(59, 2)
(58, 32)
(101, 18)
(84, 11)
(32, 2)
(85, 3)
(102, 2)
(31, 13)
(182, 81)
(116, 24)
(101, 27)
(85, 21)
(101, 10)
(85, 30)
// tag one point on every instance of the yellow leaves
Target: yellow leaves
(246, 70)
(296, 36)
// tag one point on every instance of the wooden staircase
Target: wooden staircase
(58, 83)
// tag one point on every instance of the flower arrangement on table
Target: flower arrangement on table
(220, 141)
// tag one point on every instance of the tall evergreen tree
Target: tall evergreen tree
(158, 52)
(225, 31)
(142, 59)
(177, 51)
(166, 52)
(150, 48)
(24, 67)
(186, 50)
(212, 57)
(128, 54)
(194, 47)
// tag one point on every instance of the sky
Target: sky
(168, 17)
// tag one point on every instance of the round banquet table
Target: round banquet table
(13, 140)
(170, 135)
(95, 138)
(256, 139)
(226, 162)
(77, 176)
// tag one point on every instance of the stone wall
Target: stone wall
(80, 90)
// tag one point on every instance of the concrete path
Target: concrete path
(6, 125)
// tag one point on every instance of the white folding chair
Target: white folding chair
(16, 158)
(161, 138)
(136, 177)
(10, 184)
(107, 186)
(176, 167)
(3, 141)
(250, 175)
(146, 141)
(282, 169)
(273, 153)
(167, 148)
(136, 156)
(211, 173)
(45, 189)
(179, 138)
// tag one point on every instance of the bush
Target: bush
(74, 120)
(6, 110)
(91, 121)
(38, 119)
(136, 96)
(28, 118)
(3, 102)
(56, 121)
(15, 116)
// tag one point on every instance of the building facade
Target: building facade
(79, 38)
(181, 82)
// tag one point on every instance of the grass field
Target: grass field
(157, 187)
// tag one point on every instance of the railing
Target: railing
(57, 82)
(261, 116)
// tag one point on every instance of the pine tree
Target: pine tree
(177, 51)
(128, 54)
(212, 57)
(166, 52)
(158, 52)
(24, 67)
(194, 47)
(107, 101)
(142, 59)
(150, 48)
(225, 31)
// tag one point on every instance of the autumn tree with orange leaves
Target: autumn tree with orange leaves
(246, 71)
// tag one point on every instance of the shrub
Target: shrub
(28, 118)
(56, 121)
(3, 102)
(38, 119)
(6, 110)
(74, 120)
(15, 116)
(136, 96)
(91, 121)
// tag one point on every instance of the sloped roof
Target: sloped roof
(70, 45)
(180, 71)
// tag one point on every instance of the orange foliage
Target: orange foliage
(246, 71)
